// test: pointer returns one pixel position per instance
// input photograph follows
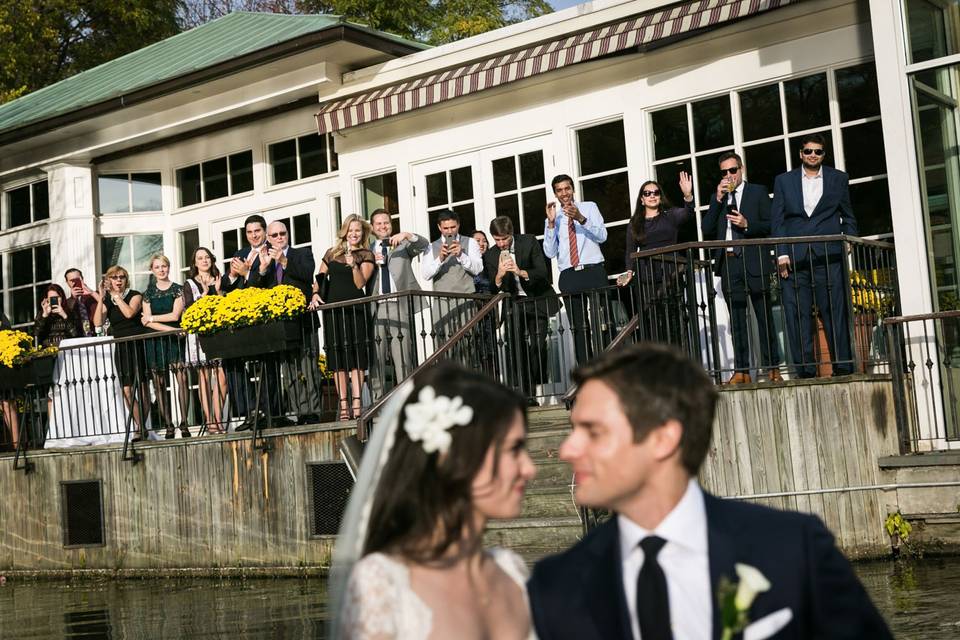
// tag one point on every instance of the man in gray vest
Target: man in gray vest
(450, 264)
(393, 324)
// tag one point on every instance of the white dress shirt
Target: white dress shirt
(738, 192)
(685, 561)
(378, 251)
(812, 190)
(470, 259)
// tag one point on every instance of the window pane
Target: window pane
(534, 216)
(313, 155)
(188, 182)
(145, 246)
(863, 150)
(760, 112)
(871, 206)
(380, 192)
(241, 172)
(601, 148)
(807, 103)
(147, 192)
(857, 92)
(509, 206)
(283, 161)
(828, 156)
(670, 134)
(18, 201)
(23, 306)
(712, 125)
(334, 158)
(189, 241)
(437, 190)
(114, 196)
(468, 221)
(41, 201)
(611, 193)
(231, 243)
(504, 174)
(668, 177)
(115, 251)
(613, 249)
(301, 229)
(461, 184)
(21, 267)
(764, 163)
(215, 179)
(531, 169)
(927, 29)
(41, 262)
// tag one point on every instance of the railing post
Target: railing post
(895, 351)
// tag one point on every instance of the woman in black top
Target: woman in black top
(56, 320)
(120, 306)
(481, 283)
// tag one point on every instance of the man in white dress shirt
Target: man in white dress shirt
(642, 422)
(450, 264)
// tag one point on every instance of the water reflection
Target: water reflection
(918, 599)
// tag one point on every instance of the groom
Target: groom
(641, 428)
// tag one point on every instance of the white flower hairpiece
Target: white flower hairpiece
(429, 419)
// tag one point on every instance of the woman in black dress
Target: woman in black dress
(344, 272)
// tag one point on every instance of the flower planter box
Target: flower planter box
(38, 371)
(254, 341)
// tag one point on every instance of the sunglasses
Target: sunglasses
(278, 234)
(118, 277)
(812, 152)
(650, 194)
(730, 171)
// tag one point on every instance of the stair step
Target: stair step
(534, 537)
(552, 475)
(545, 445)
(548, 503)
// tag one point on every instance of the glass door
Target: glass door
(448, 184)
(516, 183)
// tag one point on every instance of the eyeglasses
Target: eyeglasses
(651, 193)
(730, 171)
(278, 234)
(118, 277)
(812, 152)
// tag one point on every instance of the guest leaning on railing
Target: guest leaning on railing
(121, 307)
(204, 280)
(162, 308)
(56, 320)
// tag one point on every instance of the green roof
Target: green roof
(221, 40)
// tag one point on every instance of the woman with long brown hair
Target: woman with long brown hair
(203, 279)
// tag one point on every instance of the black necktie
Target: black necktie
(384, 273)
(653, 602)
(735, 232)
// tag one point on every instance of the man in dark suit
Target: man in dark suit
(516, 265)
(739, 211)
(814, 200)
(642, 422)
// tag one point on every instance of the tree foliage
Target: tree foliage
(43, 41)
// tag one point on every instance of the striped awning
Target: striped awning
(641, 31)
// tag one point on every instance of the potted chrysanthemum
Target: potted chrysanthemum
(22, 363)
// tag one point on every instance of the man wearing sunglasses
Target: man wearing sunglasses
(814, 200)
(741, 211)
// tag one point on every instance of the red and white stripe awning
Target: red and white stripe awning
(642, 30)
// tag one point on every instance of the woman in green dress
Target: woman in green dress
(162, 308)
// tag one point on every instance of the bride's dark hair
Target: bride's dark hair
(423, 503)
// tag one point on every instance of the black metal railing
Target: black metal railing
(925, 368)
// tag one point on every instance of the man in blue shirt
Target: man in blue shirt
(573, 234)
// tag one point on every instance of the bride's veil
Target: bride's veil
(353, 528)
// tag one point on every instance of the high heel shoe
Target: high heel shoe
(357, 408)
(171, 433)
(344, 410)
(184, 430)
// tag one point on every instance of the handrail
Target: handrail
(720, 244)
(937, 315)
(618, 339)
(484, 311)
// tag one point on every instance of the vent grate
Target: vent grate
(82, 513)
(330, 485)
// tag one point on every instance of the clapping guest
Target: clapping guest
(121, 306)
(162, 308)
(344, 272)
(56, 320)
(204, 280)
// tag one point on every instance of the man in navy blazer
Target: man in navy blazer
(642, 422)
(814, 200)
(741, 211)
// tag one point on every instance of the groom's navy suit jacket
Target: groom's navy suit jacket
(579, 594)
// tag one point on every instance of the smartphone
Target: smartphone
(76, 282)
(55, 301)
(505, 256)
(448, 240)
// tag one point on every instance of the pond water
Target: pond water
(919, 600)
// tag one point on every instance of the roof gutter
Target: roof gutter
(342, 32)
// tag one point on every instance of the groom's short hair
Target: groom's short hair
(656, 383)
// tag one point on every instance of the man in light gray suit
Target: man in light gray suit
(393, 326)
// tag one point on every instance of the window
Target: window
(379, 192)
(30, 203)
(691, 137)
(129, 192)
(298, 158)
(132, 252)
(451, 189)
(188, 241)
(932, 29)
(298, 228)
(519, 187)
(27, 275)
(217, 178)
(602, 157)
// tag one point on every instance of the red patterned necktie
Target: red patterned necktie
(574, 252)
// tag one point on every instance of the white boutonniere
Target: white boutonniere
(430, 418)
(736, 598)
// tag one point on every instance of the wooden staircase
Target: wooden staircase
(549, 522)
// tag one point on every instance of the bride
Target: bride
(448, 454)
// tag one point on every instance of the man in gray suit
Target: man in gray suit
(393, 325)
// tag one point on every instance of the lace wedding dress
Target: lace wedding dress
(379, 603)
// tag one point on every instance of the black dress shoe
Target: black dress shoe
(246, 425)
(533, 402)
(309, 418)
(281, 421)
